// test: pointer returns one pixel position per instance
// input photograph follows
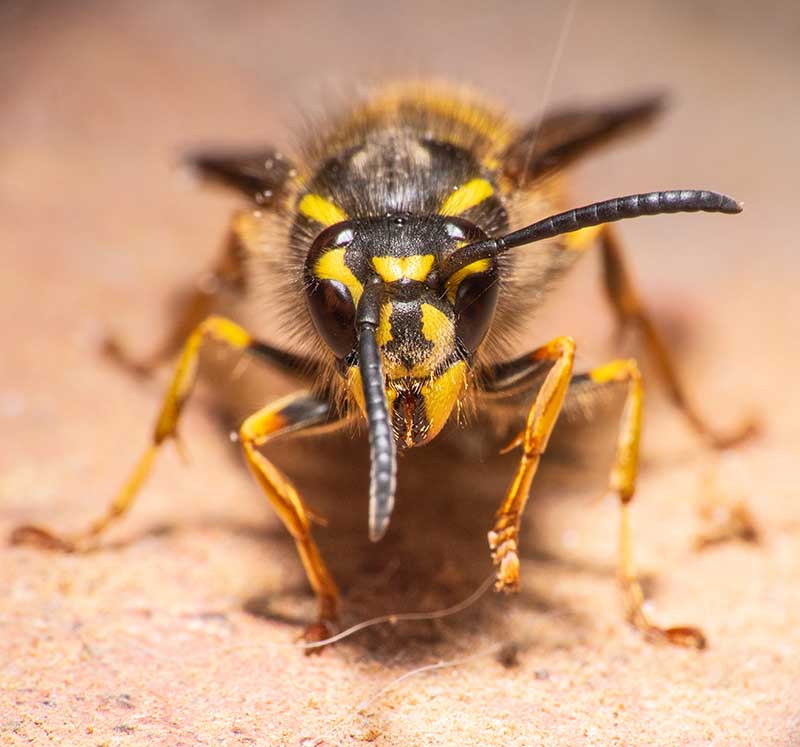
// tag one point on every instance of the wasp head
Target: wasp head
(428, 326)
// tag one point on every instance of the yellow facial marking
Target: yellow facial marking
(317, 208)
(455, 279)
(467, 196)
(331, 266)
(435, 324)
(416, 267)
(384, 332)
(577, 241)
(441, 395)
(438, 329)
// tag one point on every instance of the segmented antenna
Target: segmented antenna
(608, 211)
(382, 450)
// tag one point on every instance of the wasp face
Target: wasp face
(429, 326)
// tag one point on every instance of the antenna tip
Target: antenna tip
(729, 205)
(378, 527)
(382, 485)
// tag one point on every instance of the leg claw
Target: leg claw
(686, 636)
(319, 631)
(508, 573)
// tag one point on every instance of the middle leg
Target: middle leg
(194, 304)
(622, 483)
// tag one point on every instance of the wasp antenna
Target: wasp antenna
(383, 453)
(607, 211)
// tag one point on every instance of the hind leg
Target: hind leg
(194, 304)
(630, 311)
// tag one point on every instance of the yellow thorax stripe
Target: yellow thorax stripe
(455, 279)
(317, 208)
(416, 267)
(331, 266)
(467, 196)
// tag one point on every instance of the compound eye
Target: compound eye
(475, 303)
(334, 315)
(329, 300)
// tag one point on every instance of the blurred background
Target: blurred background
(98, 227)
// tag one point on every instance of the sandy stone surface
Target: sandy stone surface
(181, 629)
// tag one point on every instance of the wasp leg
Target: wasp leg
(512, 379)
(263, 177)
(295, 413)
(622, 482)
(538, 427)
(300, 411)
(630, 310)
(198, 302)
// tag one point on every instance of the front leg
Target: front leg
(530, 373)
(195, 304)
(630, 310)
(539, 425)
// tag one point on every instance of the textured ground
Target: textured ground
(180, 631)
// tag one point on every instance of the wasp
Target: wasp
(408, 241)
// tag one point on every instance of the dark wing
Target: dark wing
(565, 136)
(261, 175)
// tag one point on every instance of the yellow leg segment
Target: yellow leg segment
(255, 431)
(539, 425)
(622, 481)
(217, 328)
(630, 310)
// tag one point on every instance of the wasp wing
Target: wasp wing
(260, 175)
(567, 135)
